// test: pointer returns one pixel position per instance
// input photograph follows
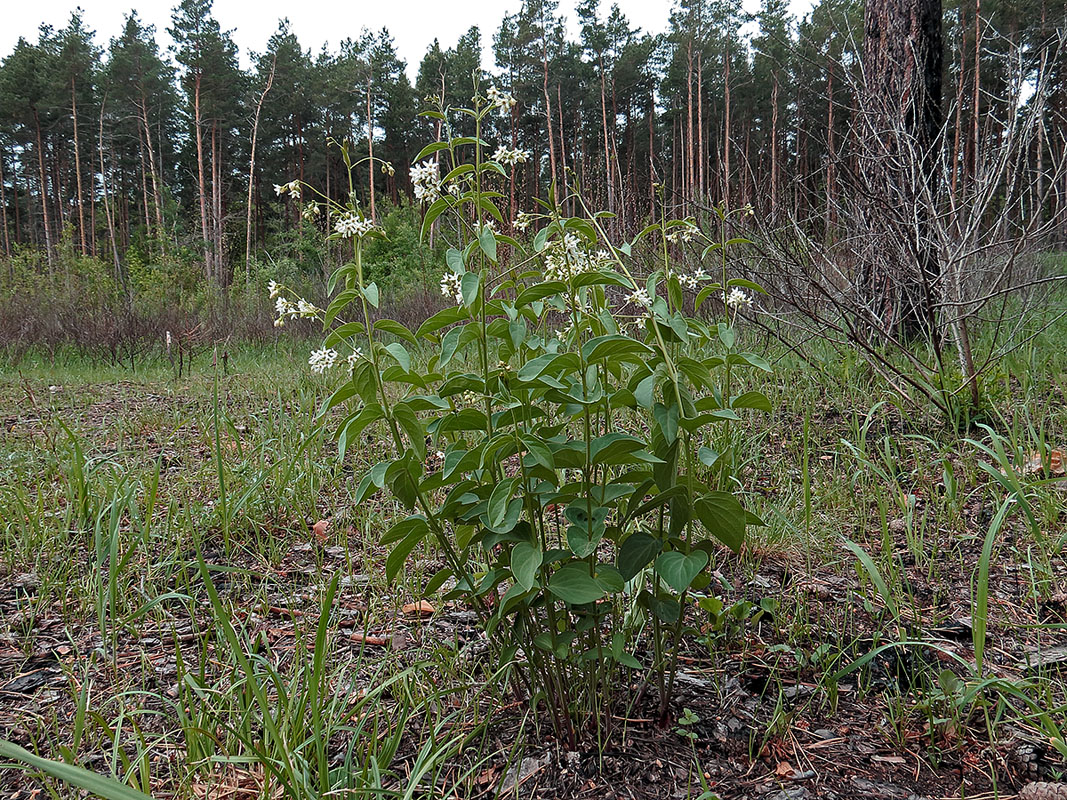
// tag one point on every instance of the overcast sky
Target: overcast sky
(414, 24)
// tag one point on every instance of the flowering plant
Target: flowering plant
(556, 431)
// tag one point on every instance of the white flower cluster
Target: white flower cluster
(322, 360)
(354, 357)
(566, 258)
(640, 297)
(310, 212)
(450, 286)
(694, 280)
(287, 309)
(502, 100)
(292, 188)
(682, 233)
(523, 221)
(737, 298)
(508, 157)
(351, 225)
(426, 181)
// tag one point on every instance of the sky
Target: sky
(414, 24)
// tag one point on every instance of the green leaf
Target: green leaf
(678, 569)
(487, 242)
(746, 284)
(573, 584)
(468, 287)
(525, 561)
(637, 553)
(721, 513)
(432, 147)
(396, 559)
(667, 419)
(612, 448)
(400, 353)
(614, 346)
(99, 785)
(753, 399)
(539, 291)
(390, 326)
(342, 332)
(370, 291)
(442, 319)
(403, 414)
(727, 335)
(499, 499)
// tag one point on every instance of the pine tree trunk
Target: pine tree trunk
(78, 168)
(902, 61)
(201, 184)
(252, 169)
(49, 250)
(607, 144)
(3, 206)
(700, 126)
(726, 133)
(107, 205)
(370, 146)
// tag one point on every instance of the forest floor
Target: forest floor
(114, 655)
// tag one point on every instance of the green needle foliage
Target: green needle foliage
(583, 478)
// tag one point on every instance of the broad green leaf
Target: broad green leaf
(753, 399)
(573, 584)
(637, 552)
(721, 513)
(395, 562)
(468, 288)
(370, 291)
(487, 242)
(678, 569)
(400, 353)
(525, 561)
(499, 499)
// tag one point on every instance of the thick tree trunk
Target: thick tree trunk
(902, 61)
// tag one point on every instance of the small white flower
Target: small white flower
(310, 211)
(306, 309)
(523, 221)
(502, 100)
(284, 307)
(737, 298)
(351, 225)
(294, 189)
(451, 286)
(353, 358)
(700, 275)
(274, 289)
(640, 297)
(322, 360)
(505, 156)
(279, 189)
(425, 181)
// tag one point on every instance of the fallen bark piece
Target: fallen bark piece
(1044, 791)
(422, 608)
(376, 641)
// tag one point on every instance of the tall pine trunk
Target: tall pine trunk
(201, 183)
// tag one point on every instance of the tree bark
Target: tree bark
(78, 167)
(252, 168)
(902, 64)
(201, 184)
